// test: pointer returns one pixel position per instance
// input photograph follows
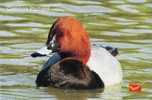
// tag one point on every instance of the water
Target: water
(24, 25)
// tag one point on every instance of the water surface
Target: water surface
(24, 25)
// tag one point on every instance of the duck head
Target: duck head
(69, 38)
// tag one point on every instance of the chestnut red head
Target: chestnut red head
(71, 38)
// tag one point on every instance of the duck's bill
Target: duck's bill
(48, 49)
(44, 51)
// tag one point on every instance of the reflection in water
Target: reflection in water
(62, 94)
(24, 26)
(74, 94)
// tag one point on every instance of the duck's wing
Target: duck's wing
(69, 73)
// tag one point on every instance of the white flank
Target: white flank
(105, 65)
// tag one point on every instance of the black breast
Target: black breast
(69, 73)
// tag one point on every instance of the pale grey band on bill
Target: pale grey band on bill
(44, 51)
(52, 60)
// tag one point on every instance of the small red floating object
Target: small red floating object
(134, 87)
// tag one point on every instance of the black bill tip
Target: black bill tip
(36, 54)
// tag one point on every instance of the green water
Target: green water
(24, 25)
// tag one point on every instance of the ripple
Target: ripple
(6, 34)
(16, 79)
(33, 30)
(9, 18)
(137, 30)
(33, 10)
(82, 9)
(27, 61)
(13, 3)
(86, 2)
(149, 5)
(136, 1)
(113, 33)
(128, 8)
(148, 20)
(117, 1)
(120, 19)
(29, 24)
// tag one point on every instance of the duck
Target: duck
(74, 63)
